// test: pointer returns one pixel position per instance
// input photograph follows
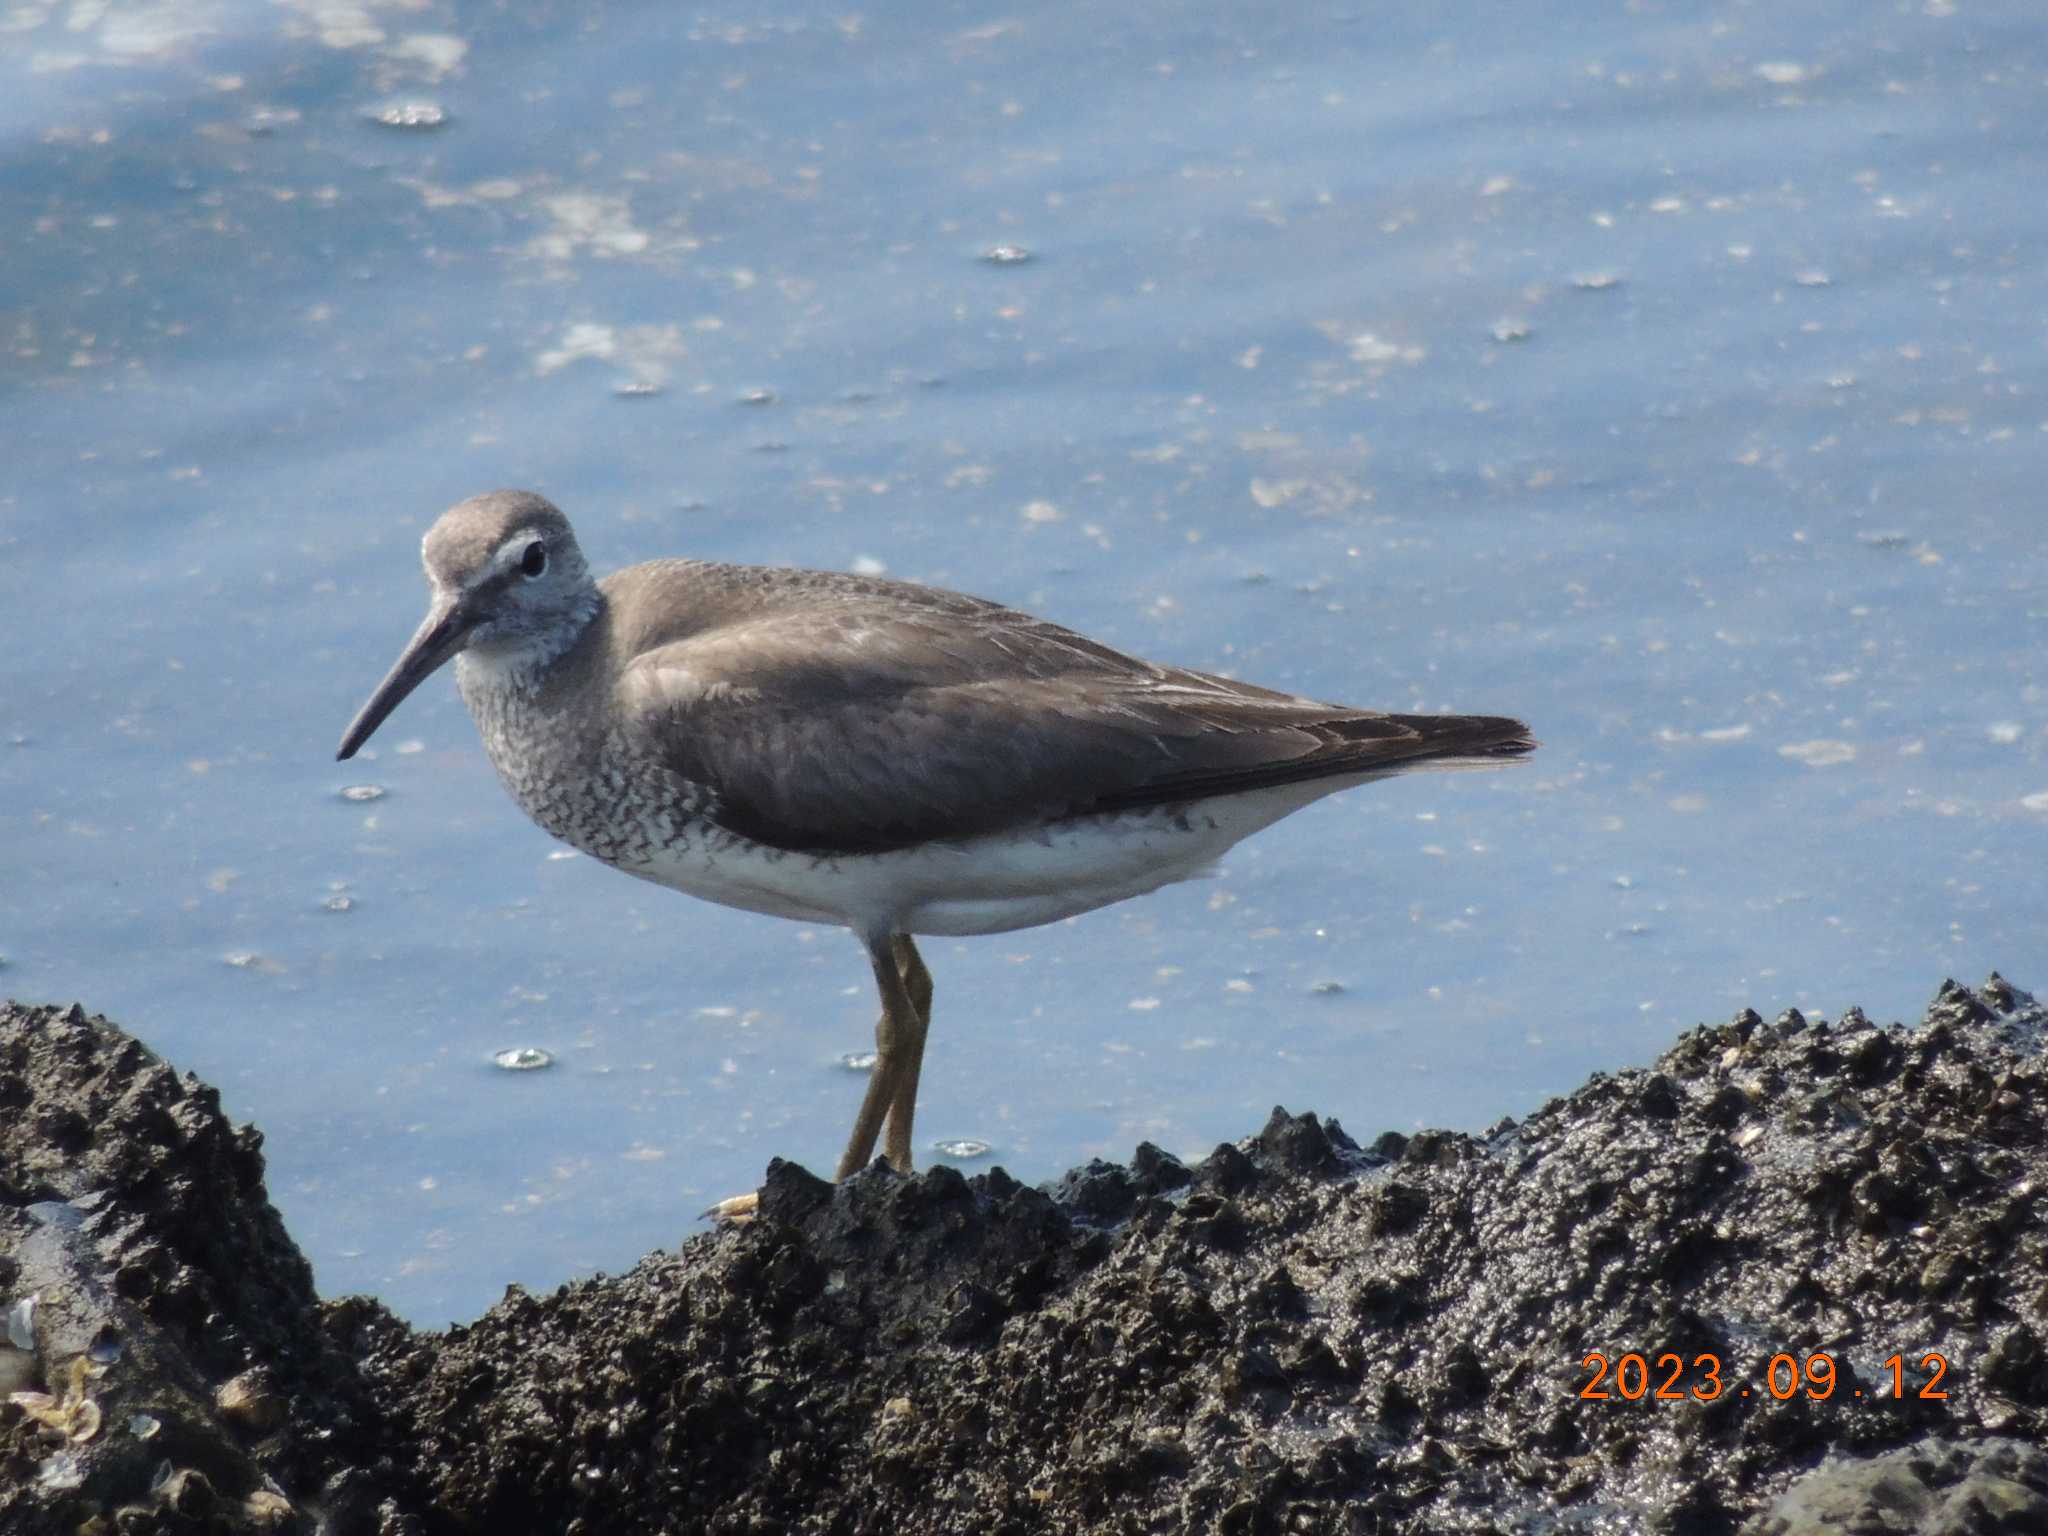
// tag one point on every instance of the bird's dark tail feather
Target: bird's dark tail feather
(1488, 738)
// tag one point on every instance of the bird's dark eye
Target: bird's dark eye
(535, 560)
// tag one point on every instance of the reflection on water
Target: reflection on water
(1665, 380)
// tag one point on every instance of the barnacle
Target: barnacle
(74, 1417)
(266, 1509)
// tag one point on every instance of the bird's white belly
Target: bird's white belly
(980, 885)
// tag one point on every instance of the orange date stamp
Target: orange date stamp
(1670, 1377)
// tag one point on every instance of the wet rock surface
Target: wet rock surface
(1932, 1486)
(136, 1234)
(1765, 1236)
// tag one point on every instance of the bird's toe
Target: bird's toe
(735, 1212)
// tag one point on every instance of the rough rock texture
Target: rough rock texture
(1296, 1334)
(1934, 1486)
(136, 1217)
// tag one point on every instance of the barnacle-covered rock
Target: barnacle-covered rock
(1789, 1277)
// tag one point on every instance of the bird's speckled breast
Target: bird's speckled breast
(572, 774)
(578, 779)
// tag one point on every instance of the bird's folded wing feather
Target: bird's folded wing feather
(849, 725)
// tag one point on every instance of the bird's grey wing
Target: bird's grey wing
(864, 727)
(887, 734)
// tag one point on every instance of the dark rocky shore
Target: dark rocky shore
(1299, 1333)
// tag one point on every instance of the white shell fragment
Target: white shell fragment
(21, 1322)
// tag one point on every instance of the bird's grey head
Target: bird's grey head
(509, 561)
(508, 582)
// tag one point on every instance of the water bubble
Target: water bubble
(758, 396)
(249, 960)
(522, 1058)
(264, 121)
(636, 389)
(1511, 330)
(859, 1061)
(1597, 282)
(961, 1148)
(1327, 988)
(1782, 72)
(338, 903)
(1006, 255)
(413, 115)
(363, 792)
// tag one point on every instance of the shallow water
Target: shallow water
(1674, 382)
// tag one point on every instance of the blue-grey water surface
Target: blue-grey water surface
(1670, 376)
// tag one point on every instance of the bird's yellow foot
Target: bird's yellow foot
(737, 1211)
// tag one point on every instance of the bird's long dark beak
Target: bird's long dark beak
(439, 637)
